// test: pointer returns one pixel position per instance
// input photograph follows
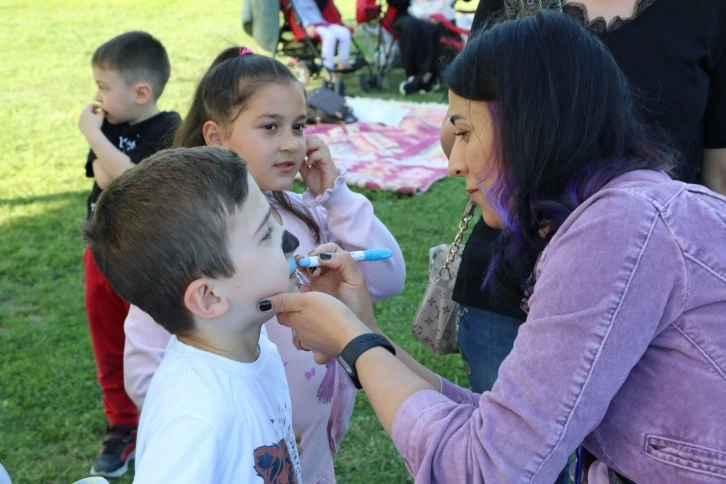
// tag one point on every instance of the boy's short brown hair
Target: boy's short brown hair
(164, 224)
(137, 56)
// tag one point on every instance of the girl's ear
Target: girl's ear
(212, 133)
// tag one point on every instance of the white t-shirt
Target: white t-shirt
(209, 419)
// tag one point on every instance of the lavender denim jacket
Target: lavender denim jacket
(624, 350)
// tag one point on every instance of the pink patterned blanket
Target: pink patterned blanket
(406, 158)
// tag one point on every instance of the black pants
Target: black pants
(419, 43)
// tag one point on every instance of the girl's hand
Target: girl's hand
(318, 171)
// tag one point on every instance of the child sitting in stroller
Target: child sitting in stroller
(330, 35)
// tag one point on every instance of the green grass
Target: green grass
(51, 419)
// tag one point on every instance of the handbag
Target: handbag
(326, 106)
(435, 324)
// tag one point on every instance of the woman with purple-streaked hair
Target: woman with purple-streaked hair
(623, 352)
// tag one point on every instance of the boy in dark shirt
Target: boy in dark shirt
(122, 127)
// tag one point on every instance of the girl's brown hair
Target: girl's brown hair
(222, 94)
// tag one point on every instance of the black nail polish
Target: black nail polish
(325, 256)
(265, 305)
(312, 270)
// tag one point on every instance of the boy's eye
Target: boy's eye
(460, 133)
(269, 126)
(268, 234)
(299, 127)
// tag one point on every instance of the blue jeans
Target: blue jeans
(485, 339)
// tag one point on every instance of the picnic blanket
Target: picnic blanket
(406, 158)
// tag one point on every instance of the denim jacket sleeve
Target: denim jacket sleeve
(601, 296)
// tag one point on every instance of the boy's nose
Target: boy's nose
(289, 242)
(98, 97)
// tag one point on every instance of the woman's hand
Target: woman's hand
(339, 276)
(318, 171)
(319, 321)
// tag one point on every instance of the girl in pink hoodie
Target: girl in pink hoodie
(253, 105)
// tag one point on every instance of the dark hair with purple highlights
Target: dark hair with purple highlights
(565, 124)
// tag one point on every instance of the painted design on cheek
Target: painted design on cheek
(289, 243)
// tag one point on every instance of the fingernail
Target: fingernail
(325, 256)
(312, 270)
(265, 305)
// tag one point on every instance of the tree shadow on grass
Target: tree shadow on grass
(50, 197)
(51, 414)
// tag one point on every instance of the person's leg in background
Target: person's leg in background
(407, 43)
(327, 45)
(417, 54)
(342, 34)
(330, 37)
(106, 313)
(485, 340)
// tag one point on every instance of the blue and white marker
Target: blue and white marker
(293, 271)
(369, 255)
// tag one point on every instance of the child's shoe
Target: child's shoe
(117, 450)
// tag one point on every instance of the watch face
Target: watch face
(345, 365)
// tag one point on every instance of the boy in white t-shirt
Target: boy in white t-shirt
(188, 237)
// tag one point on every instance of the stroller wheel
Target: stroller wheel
(301, 71)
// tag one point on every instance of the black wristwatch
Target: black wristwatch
(357, 347)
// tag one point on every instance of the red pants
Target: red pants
(106, 314)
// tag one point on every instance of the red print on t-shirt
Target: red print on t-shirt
(273, 464)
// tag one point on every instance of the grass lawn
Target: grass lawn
(51, 419)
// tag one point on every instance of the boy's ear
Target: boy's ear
(212, 133)
(199, 298)
(143, 93)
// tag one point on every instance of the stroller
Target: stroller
(304, 50)
(379, 18)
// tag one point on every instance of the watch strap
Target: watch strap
(358, 346)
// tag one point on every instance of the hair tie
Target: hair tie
(245, 51)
